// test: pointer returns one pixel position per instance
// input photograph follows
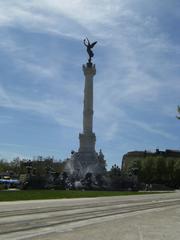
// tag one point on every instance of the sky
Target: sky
(136, 87)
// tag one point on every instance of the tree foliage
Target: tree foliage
(38, 166)
(159, 170)
(178, 110)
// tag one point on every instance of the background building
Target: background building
(130, 159)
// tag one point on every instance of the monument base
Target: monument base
(82, 163)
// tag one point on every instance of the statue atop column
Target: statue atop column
(89, 47)
(86, 160)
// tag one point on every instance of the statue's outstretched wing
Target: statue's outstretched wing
(93, 44)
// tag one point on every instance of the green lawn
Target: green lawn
(59, 194)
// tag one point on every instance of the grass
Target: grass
(60, 194)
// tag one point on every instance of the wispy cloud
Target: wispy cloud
(137, 62)
(56, 109)
(153, 129)
(6, 119)
(37, 69)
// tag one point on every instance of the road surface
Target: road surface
(141, 217)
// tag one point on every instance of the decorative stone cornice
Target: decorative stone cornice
(89, 70)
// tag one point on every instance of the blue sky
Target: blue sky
(136, 88)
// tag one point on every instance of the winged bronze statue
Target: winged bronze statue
(89, 48)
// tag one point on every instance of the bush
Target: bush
(2, 187)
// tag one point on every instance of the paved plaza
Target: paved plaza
(155, 216)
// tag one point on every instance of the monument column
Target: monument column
(88, 138)
(86, 159)
(89, 72)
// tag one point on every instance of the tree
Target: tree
(115, 170)
(148, 170)
(162, 172)
(4, 165)
(171, 164)
(178, 110)
(177, 174)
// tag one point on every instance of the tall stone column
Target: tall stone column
(86, 159)
(88, 138)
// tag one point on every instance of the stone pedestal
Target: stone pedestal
(87, 142)
(81, 163)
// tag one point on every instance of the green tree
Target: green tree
(148, 170)
(4, 165)
(177, 174)
(115, 170)
(161, 175)
(178, 110)
(171, 171)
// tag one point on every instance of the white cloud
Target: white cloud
(152, 129)
(132, 61)
(6, 119)
(60, 16)
(115, 24)
(56, 109)
(37, 69)
(4, 97)
(111, 132)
